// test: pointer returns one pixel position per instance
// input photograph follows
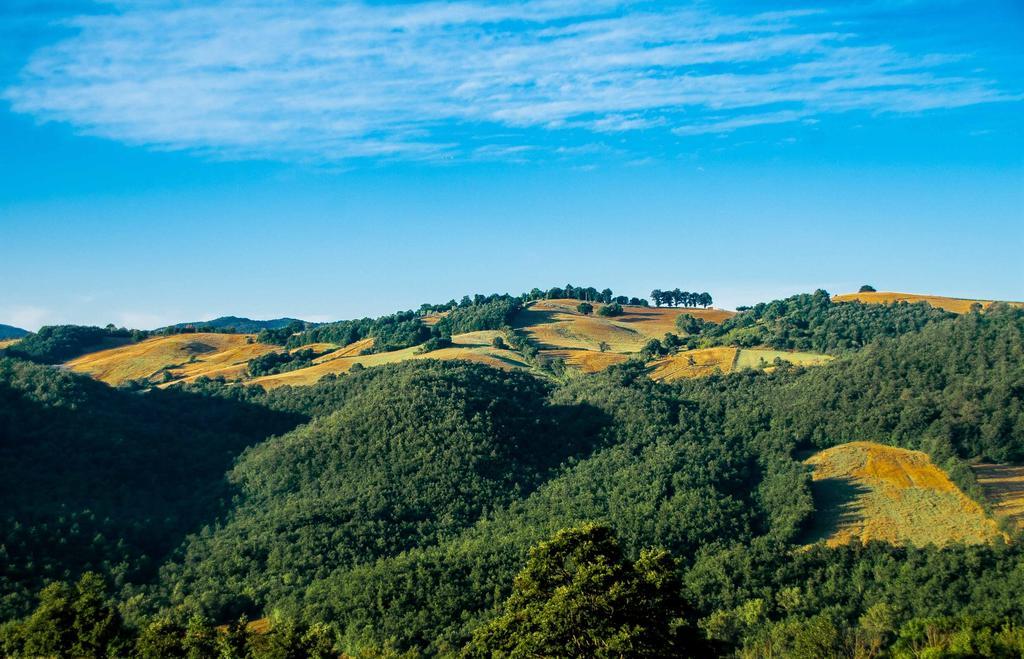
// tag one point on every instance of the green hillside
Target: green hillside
(444, 507)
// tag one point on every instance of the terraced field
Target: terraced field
(1004, 487)
(185, 356)
(956, 305)
(867, 491)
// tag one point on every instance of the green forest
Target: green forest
(433, 508)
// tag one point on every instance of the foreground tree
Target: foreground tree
(578, 596)
(70, 621)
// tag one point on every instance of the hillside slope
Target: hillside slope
(180, 355)
(11, 332)
(867, 491)
(954, 304)
(557, 325)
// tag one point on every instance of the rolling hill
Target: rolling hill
(870, 491)
(472, 347)
(182, 356)
(241, 324)
(956, 305)
(11, 332)
(586, 343)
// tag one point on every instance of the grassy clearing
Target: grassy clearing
(694, 364)
(7, 342)
(867, 491)
(956, 305)
(763, 358)
(187, 356)
(1004, 488)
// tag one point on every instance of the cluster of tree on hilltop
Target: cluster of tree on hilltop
(681, 298)
(447, 507)
(584, 293)
(53, 344)
(814, 322)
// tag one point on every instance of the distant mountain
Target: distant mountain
(243, 324)
(9, 332)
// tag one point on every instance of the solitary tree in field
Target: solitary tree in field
(585, 308)
(867, 288)
(603, 346)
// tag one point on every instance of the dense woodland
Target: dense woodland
(448, 508)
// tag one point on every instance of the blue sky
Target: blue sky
(162, 162)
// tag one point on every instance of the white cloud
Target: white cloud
(430, 80)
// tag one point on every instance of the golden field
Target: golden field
(693, 364)
(473, 346)
(956, 305)
(764, 357)
(186, 356)
(1004, 488)
(7, 342)
(556, 325)
(867, 491)
(588, 361)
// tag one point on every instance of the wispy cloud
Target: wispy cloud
(431, 80)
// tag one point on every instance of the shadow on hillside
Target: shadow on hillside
(102, 472)
(836, 506)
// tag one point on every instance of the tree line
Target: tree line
(677, 297)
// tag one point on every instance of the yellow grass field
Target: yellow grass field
(753, 357)
(705, 361)
(867, 491)
(473, 346)
(7, 342)
(956, 305)
(186, 355)
(588, 361)
(1004, 488)
(556, 325)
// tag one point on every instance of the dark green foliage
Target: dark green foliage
(613, 309)
(280, 335)
(579, 596)
(125, 476)
(813, 322)
(585, 308)
(394, 332)
(53, 344)
(434, 343)
(412, 454)
(690, 325)
(70, 621)
(866, 288)
(281, 362)
(399, 516)
(486, 315)
(955, 388)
